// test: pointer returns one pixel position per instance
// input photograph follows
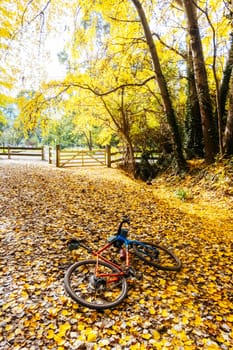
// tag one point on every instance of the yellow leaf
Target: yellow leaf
(152, 311)
(146, 336)
(25, 295)
(8, 327)
(37, 316)
(185, 320)
(164, 313)
(81, 327)
(91, 337)
(64, 328)
(82, 337)
(220, 339)
(198, 321)
(156, 335)
(58, 339)
(218, 318)
(182, 335)
(50, 334)
(229, 318)
(64, 312)
(52, 326)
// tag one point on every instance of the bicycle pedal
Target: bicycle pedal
(135, 274)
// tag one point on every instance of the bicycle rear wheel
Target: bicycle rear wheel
(157, 256)
(95, 293)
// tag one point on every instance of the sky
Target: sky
(33, 55)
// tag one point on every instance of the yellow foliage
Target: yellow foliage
(43, 207)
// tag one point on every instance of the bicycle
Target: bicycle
(101, 283)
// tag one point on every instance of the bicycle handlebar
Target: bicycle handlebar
(125, 220)
(76, 243)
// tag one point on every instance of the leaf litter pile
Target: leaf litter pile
(43, 207)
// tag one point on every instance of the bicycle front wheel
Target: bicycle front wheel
(157, 256)
(94, 292)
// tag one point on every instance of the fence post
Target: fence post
(58, 148)
(9, 152)
(50, 155)
(108, 155)
(42, 153)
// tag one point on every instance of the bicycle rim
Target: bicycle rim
(157, 256)
(78, 284)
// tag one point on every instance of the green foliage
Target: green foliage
(183, 194)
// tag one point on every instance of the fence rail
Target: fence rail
(71, 158)
(77, 158)
(17, 151)
(97, 157)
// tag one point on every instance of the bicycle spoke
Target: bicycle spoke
(156, 255)
(95, 292)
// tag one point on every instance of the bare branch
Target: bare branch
(98, 93)
(123, 20)
(40, 13)
(183, 55)
(24, 12)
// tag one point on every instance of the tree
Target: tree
(127, 72)
(224, 88)
(208, 125)
(194, 134)
(228, 133)
(162, 86)
(228, 81)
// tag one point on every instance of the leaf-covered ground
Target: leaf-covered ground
(42, 207)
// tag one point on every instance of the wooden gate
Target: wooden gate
(80, 158)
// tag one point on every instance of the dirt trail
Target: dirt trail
(42, 207)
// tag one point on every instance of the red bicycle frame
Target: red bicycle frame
(112, 277)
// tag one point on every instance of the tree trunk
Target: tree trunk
(129, 160)
(224, 88)
(228, 134)
(208, 125)
(123, 127)
(88, 137)
(163, 87)
(193, 119)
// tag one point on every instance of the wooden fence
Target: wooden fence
(81, 158)
(16, 151)
(70, 158)
(98, 157)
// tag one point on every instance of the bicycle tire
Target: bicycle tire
(157, 256)
(77, 282)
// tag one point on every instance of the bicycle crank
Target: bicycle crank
(97, 283)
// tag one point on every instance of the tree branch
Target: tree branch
(41, 12)
(98, 93)
(183, 55)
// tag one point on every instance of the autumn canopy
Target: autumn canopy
(132, 73)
